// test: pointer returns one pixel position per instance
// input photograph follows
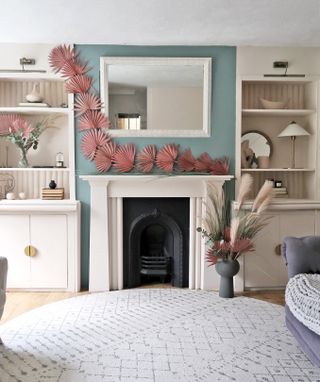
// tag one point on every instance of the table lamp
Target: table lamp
(293, 130)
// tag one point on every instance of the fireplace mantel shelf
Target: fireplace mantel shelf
(138, 177)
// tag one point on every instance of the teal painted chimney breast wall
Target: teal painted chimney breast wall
(221, 142)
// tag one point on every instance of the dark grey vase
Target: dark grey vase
(227, 269)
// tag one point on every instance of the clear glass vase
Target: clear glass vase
(23, 161)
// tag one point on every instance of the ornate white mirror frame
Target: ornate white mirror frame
(205, 63)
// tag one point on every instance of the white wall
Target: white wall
(174, 108)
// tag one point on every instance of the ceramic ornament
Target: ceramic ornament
(85, 102)
(186, 161)
(78, 84)
(124, 157)
(93, 119)
(10, 196)
(104, 156)
(91, 141)
(166, 157)
(35, 95)
(146, 158)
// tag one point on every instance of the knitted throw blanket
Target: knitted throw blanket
(303, 299)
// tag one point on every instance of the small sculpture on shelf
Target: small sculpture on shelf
(59, 160)
(35, 96)
(52, 185)
(7, 184)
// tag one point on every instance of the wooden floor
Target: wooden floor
(21, 302)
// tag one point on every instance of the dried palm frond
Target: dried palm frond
(60, 55)
(146, 158)
(78, 84)
(91, 141)
(6, 121)
(166, 157)
(124, 157)
(85, 102)
(186, 161)
(234, 227)
(264, 193)
(72, 68)
(203, 163)
(104, 156)
(93, 119)
(244, 189)
(219, 166)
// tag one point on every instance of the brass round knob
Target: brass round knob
(30, 251)
(277, 250)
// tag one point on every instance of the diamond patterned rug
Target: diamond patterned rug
(153, 335)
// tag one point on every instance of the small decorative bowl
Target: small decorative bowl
(266, 104)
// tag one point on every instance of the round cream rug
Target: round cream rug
(147, 335)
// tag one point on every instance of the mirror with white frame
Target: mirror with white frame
(157, 96)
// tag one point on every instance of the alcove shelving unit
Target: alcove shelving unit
(40, 237)
(297, 214)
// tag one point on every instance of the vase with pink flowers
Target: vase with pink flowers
(227, 239)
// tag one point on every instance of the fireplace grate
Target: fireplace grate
(155, 265)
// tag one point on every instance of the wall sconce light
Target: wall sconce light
(293, 130)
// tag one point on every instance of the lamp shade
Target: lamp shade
(293, 130)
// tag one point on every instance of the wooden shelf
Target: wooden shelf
(29, 76)
(32, 110)
(30, 169)
(277, 112)
(277, 170)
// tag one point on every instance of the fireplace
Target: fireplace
(107, 251)
(155, 241)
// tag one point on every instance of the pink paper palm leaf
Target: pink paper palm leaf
(166, 157)
(186, 161)
(60, 55)
(146, 158)
(124, 158)
(20, 126)
(219, 166)
(87, 101)
(104, 156)
(93, 119)
(204, 163)
(72, 68)
(91, 141)
(78, 84)
(6, 121)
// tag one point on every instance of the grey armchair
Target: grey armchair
(3, 284)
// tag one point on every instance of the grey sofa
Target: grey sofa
(302, 255)
(3, 284)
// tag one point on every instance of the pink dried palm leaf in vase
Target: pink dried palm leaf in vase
(6, 121)
(186, 161)
(60, 55)
(73, 68)
(85, 102)
(167, 156)
(21, 127)
(124, 157)
(104, 156)
(146, 158)
(93, 119)
(78, 84)
(91, 141)
(220, 166)
(204, 163)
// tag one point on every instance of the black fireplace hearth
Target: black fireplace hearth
(156, 241)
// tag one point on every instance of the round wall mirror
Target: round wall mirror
(260, 143)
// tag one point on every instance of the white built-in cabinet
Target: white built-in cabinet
(50, 227)
(297, 214)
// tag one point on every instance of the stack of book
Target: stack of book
(52, 194)
(280, 192)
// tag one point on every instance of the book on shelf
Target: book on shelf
(52, 194)
(33, 104)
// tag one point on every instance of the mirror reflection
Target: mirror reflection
(156, 95)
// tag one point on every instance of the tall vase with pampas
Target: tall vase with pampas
(228, 241)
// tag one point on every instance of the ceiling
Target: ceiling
(162, 22)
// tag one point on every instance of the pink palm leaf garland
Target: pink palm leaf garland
(93, 119)
(146, 158)
(124, 157)
(219, 166)
(61, 55)
(186, 161)
(72, 68)
(203, 163)
(166, 157)
(91, 141)
(87, 101)
(104, 156)
(78, 84)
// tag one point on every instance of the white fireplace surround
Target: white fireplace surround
(106, 228)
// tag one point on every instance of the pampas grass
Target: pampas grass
(264, 194)
(244, 189)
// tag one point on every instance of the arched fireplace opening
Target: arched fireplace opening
(156, 242)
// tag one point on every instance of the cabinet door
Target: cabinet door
(14, 237)
(48, 234)
(261, 266)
